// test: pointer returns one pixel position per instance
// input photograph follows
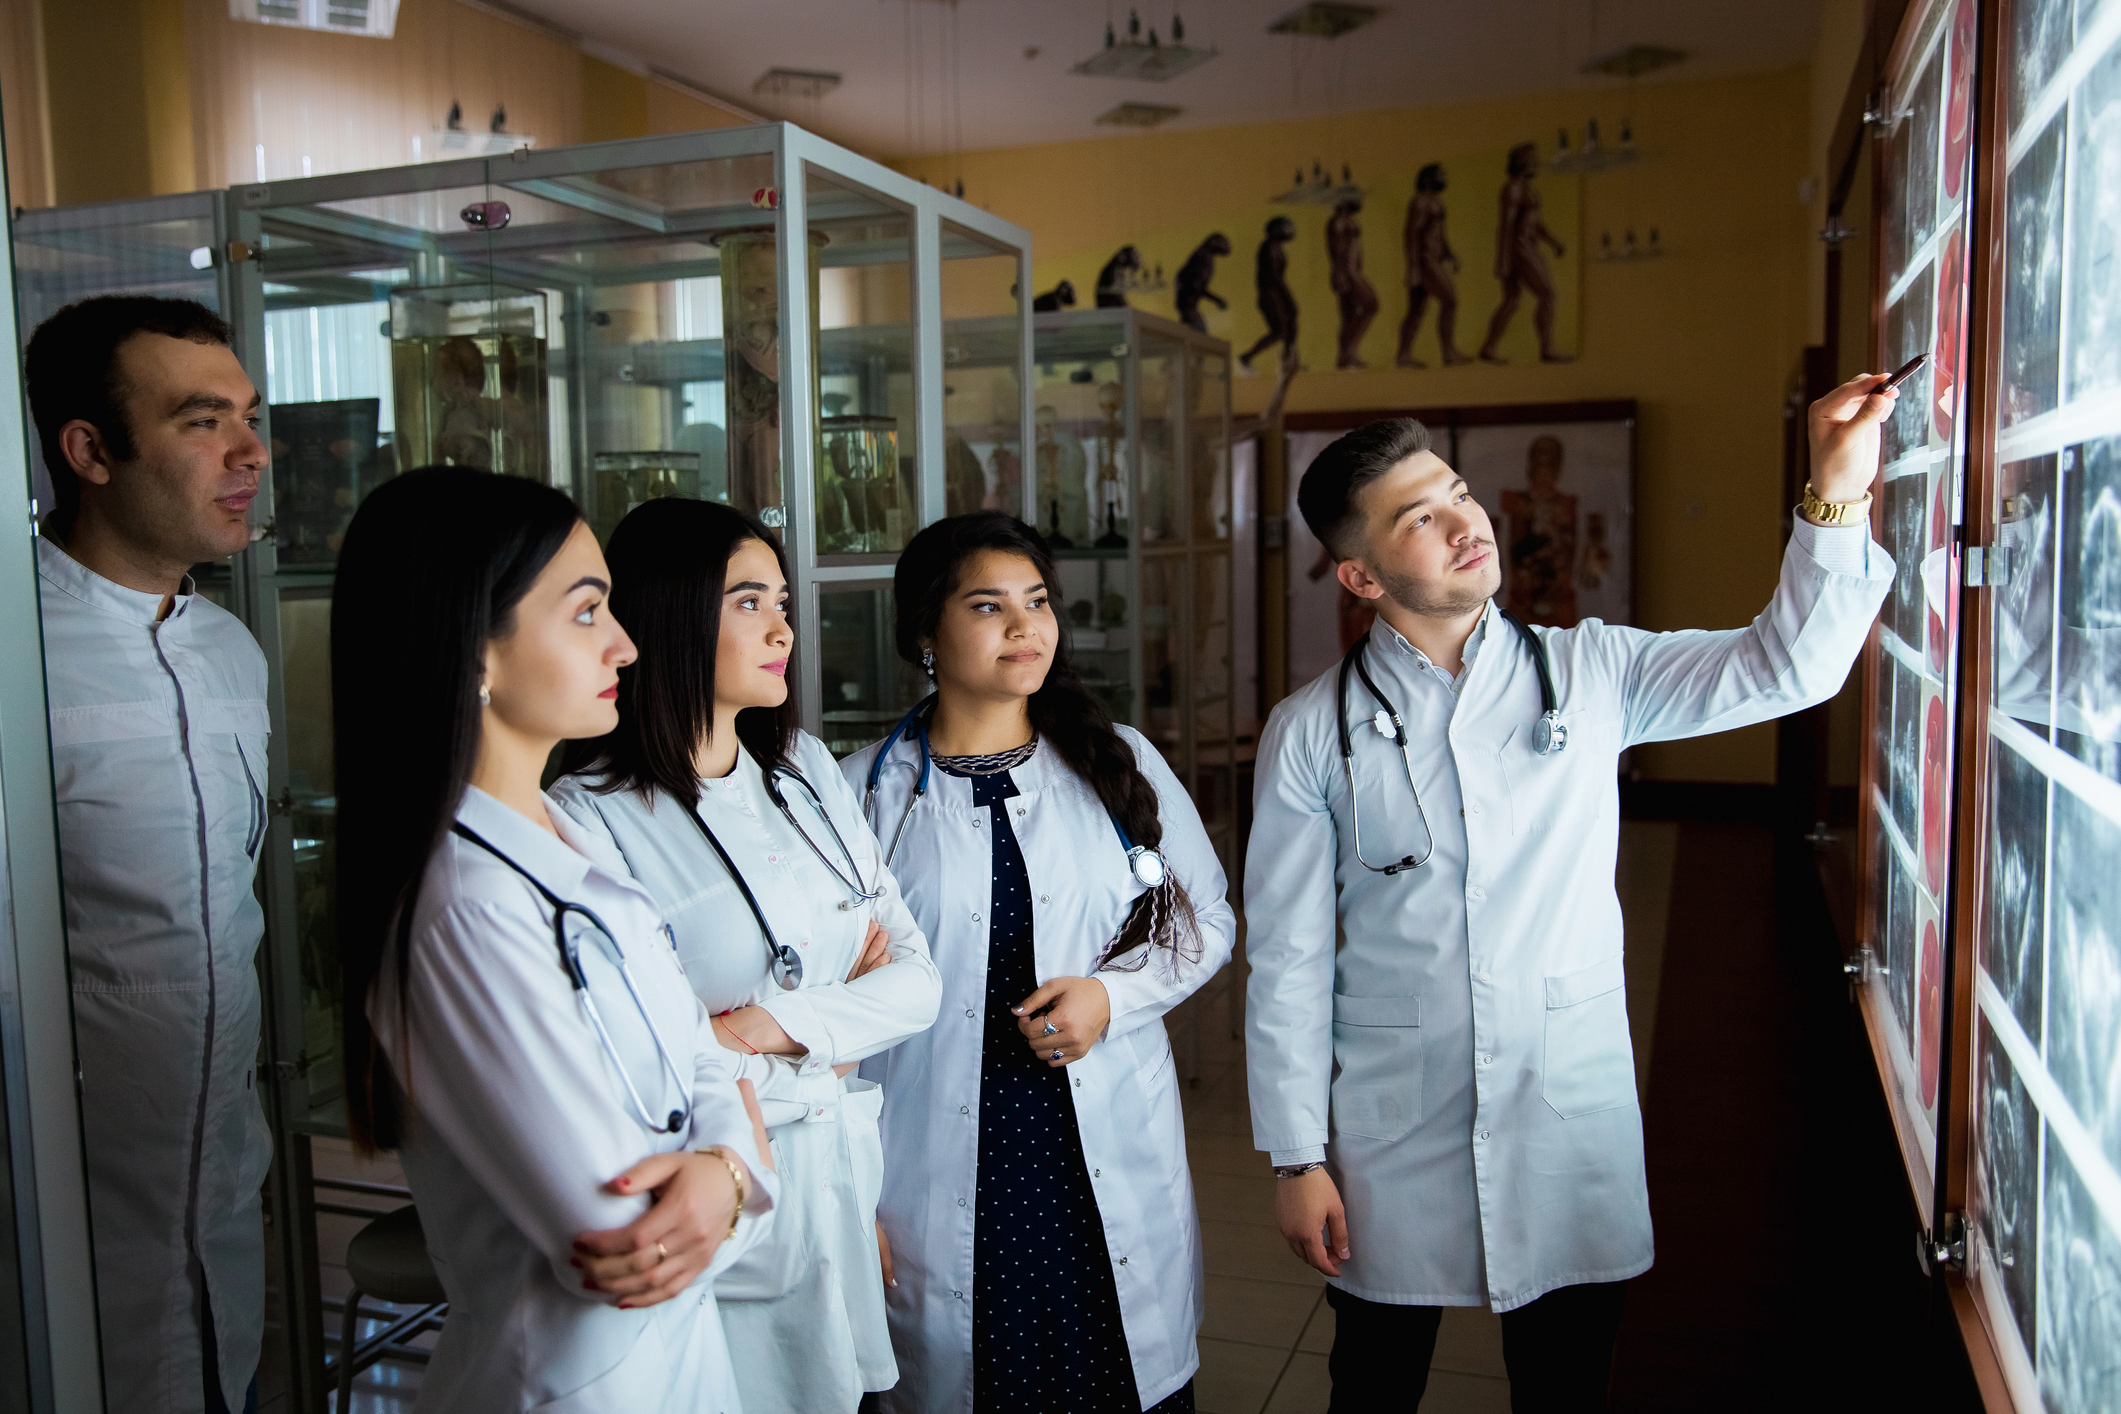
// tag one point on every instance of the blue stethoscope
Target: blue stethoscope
(786, 962)
(571, 960)
(1147, 865)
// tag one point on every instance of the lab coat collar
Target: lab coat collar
(559, 864)
(1389, 639)
(63, 572)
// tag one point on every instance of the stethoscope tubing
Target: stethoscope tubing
(571, 960)
(1550, 736)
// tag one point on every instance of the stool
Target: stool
(387, 1260)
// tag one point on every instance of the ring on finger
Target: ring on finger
(662, 1254)
(1057, 1054)
(1051, 1029)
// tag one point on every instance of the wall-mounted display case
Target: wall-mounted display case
(1129, 480)
(750, 315)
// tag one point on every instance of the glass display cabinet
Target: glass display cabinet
(1129, 479)
(749, 315)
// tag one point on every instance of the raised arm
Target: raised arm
(1799, 650)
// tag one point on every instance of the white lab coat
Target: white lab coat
(518, 1121)
(1125, 1089)
(807, 1304)
(158, 737)
(1471, 1029)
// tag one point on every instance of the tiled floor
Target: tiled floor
(1267, 1330)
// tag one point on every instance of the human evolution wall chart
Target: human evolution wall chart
(1444, 260)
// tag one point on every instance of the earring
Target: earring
(928, 661)
(485, 696)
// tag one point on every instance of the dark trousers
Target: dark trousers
(1558, 1350)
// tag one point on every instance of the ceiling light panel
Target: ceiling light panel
(1323, 19)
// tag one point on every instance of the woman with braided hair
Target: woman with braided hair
(1036, 1193)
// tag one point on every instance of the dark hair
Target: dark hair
(1063, 712)
(433, 567)
(669, 561)
(71, 373)
(1429, 178)
(1352, 461)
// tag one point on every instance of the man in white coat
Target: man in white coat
(158, 730)
(1448, 1095)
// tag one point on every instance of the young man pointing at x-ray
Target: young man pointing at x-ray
(1448, 1094)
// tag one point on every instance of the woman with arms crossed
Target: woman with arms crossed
(1036, 1191)
(742, 828)
(517, 1024)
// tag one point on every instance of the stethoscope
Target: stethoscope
(786, 962)
(1146, 864)
(571, 960)
(1550, 735)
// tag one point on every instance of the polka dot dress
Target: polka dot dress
(1046, 1332)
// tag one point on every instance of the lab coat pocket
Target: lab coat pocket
(1377, 1047)
(1590, 1062)
(772, 1265)
(861, 1106)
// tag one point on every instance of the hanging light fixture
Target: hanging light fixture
(1136, 57)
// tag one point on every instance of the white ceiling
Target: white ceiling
(924, 76)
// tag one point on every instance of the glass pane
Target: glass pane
(163, 247)
(1211, 680)
(865, 470)
(1079, 435)
(983, 464)
(1162, 584)
(1098, 599)
(1160, 516)
(868, 687)
(1924, 302)
(2048, 989)
(1208, 443)
(305, 649)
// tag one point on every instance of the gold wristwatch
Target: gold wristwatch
(1833, 512)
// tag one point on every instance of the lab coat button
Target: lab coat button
(1476, 892)
(968, 1011)
(958, 1294)
(1097, 1173)
(975, 918)
(1123, 1261)
(1078, 1084)
(1482, 976)
(964, 1109)
(961, 1202)
(1487, 1060)
(1482, 1135)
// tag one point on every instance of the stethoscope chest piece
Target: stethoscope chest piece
(787, 965)
(1550, 735)
(1148, 866)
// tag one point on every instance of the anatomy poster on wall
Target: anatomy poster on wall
(1448, 261)
(1558, 494)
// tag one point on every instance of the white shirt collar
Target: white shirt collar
(1389, 638)
(66, 573)
(560, 864)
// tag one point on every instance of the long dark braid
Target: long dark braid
(1063, 712)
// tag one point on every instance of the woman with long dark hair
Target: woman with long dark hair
(1036, 1192)
(517, 1026)
(790, 929)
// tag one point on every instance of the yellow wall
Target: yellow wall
(135, 97)
(1704, 339)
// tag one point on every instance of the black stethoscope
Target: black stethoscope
(571, 960)
(1549, 735)
(786, 962)
(1146, 864)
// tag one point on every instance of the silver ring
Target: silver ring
(1058, 1054)
(1052, 1030)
